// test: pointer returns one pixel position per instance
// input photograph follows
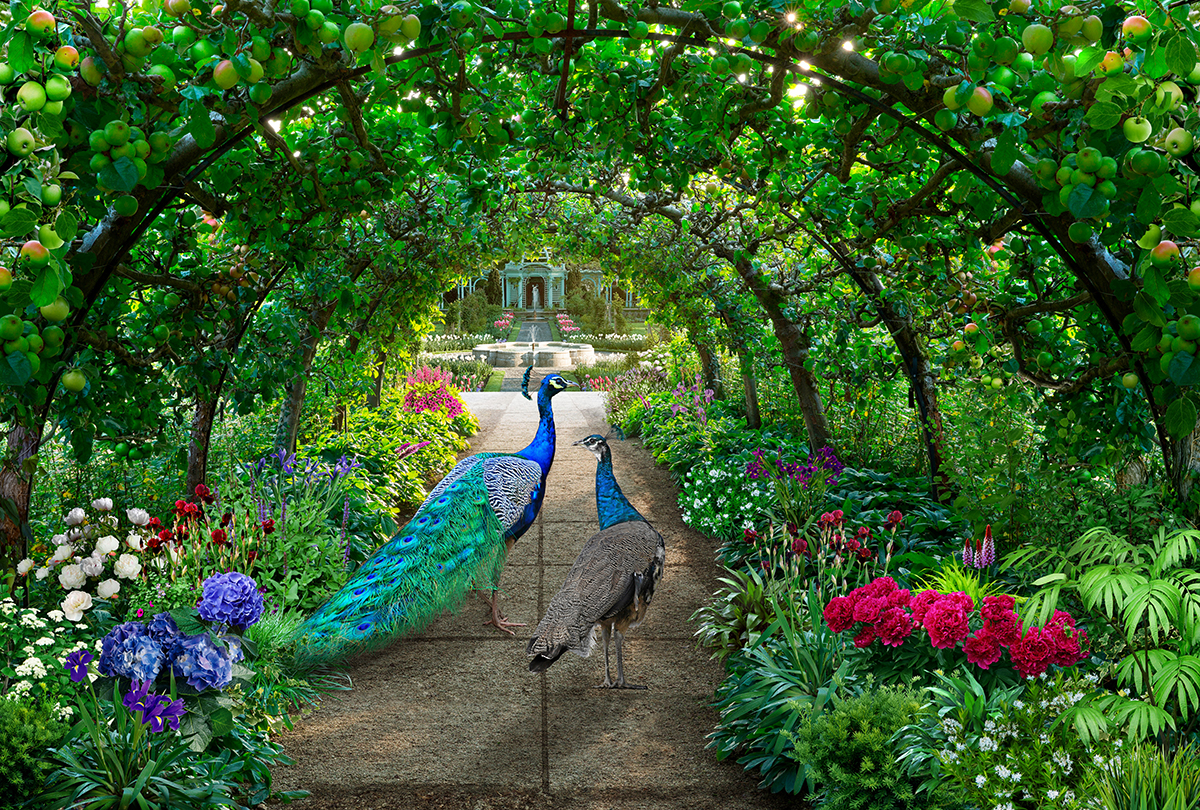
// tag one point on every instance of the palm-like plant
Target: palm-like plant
(1149, 595)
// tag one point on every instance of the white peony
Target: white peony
(75, 604)
(24, 566)
(62, 553)
(108, 588)
(127, 566)
(93, 566)
(138, 517)
(135, 541)
(58, 539)
(42, 573)
(102, 504)
(75, 516)
(107, 545)
(71, 577)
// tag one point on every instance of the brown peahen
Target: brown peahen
(611, 584)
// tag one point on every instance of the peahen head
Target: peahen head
(597, 445)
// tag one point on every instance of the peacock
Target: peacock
(458, 539)
(609, 587)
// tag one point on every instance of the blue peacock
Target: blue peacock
(458, 540)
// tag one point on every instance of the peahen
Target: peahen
(459, 537)
(611, 583)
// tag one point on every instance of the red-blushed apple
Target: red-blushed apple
(66, 58)
(980, 101)
(948, 99)
(1164, 254)
(91, 71)
(5, 280)
(971, 328)
(958, 346)
(34, 254)
(1111, 64)
(1136, 29)
(40, 23)
(225, 75)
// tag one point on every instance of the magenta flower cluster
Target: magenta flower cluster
(430, 389)
(881, 611)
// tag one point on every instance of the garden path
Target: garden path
(452, 718)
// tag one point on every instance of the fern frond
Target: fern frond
(1144, 719)
(1173, 550)
(1133, 668)
(1155, 603)
(1180, 679)
(1109, 587)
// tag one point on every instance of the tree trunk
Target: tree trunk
(794, 344)
(746, 365)
(710, 370)
(202, 422)
(16, 490)
(293, 400)
(376, 395)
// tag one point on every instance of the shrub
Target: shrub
(848, 750)
(27, 730)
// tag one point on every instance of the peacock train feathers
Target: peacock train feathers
(457, 540)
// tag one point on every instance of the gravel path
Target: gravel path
(452, 718)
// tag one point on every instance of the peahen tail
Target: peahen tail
(453, 542)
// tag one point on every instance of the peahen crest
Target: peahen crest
(525, 383)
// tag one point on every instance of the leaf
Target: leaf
(975, 10)
(1181, 55)
(495, 26)
(1147, 310)
(1152, 604)
(1181, 222)
(1085, 202)
(1155, 64)
(1156, 286)
(45, 287)
(15, 370)
(241, 65)
(1181, 414)
(18, 222)
(1149, 204)
(1087, 59)
(963, 92)
(120, 175)
(188, 621)
(66, 226)
(1144, 340)
(1180, 677)
(1006, 153)
(20, 52)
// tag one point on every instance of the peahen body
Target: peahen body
(609, 588)
(457, 540)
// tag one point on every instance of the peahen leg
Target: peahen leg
(621, 669)
(608, 684)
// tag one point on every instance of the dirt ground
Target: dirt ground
(452, 718)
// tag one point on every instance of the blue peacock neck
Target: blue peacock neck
(541, 449)
(611, 506)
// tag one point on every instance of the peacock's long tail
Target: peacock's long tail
(454, 541)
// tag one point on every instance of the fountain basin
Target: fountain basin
(553, 354)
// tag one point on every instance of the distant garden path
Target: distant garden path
(452, 718)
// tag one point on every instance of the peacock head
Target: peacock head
(551, 384)
(596, 444)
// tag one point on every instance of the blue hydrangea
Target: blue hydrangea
(231, 598)
(162, 628)
(202, 663)
(117, 649)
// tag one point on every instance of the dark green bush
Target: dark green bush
(27, 731)
(849, 751)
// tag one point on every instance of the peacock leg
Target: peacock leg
(498, 621)
(608, 684)
(620, 668)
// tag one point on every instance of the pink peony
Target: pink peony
(982, 649)
(880, 587)
(1031, 653)
(899, 599)
(865, 636)
(839, 614)
(893, 626)
(1068, 645)
(946, 621)
(869, 608)
(1005, 630)
(960, 598)
(921, 604)
(997, 607)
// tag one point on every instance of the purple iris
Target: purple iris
(77, 665)
(158, 711)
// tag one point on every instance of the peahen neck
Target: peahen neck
(611, 506)
(541, 449)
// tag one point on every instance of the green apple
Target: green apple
(5, 280)
(163, 72)
(948, 99)
(1037, 39)
(1088, 159)
(20, 142)
(136, 43)
(56, 311)
(58, 87)
(411, 27)
(1150, 238)
(1129, 380)
(116, 133)
(358, 37)
(31, 97)
(11, 327)
(1092, 29)
(51, 194)
(91, 70)
(1037, 105)
(1137, 129)
(74, 380)
(182, 36)
(1178, 142)
(1168, 96)
(7, 74)
(225, 75)
(48, 237)
(1188, 327)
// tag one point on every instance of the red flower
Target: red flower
(869, 608)
(191, 509)
(793, 530)
(204, 493)
(179, 507)
(864, 534)
(838, 515)
(251, 556)
(826, 519)
(865, 636)
(880, 586)
(226, 518)
(922, 603)
(864, 554)
(1005, 630)
(1068, 645)
(852, 545)
(893, 520)
(839, 613)
(268, 525)
(799, 546)
(894, 626)
(154, 523)
(899, 599)
(997, 607)
(219, 537)
(946, 621)
(982, 649)
(749, 535)
(1031, 653)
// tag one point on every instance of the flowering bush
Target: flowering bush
(614, 342)
(431, 390)
(454, 343)
(630, 390)
(33, 646)
(881, 611)
(565, 324)
(1026, 757)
